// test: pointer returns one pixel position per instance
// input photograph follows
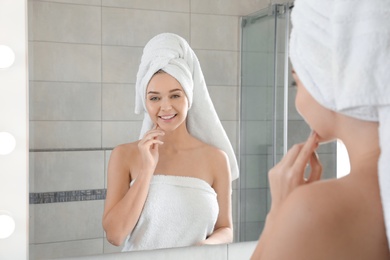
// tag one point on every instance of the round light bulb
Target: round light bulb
(7, 57)
(7, 225)
(7, 143)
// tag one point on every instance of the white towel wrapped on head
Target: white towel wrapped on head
(340, 49)
(172, 54)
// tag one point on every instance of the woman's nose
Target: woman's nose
(166, 105)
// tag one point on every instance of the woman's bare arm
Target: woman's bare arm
(123, 204)
(223, 230)
(285, 178)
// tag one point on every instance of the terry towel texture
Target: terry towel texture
(179, 211)
(172, 54)
(340, 50)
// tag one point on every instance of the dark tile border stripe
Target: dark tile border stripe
(67, 196)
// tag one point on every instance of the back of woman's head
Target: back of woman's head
(340, 50)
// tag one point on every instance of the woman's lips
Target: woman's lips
(167, 117)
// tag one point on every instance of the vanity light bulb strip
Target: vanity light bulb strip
(7, 225)
(7, 143)
(7, 57)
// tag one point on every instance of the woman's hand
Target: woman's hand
(289, 173)
(148, 147)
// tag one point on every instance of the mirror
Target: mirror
(83, 60)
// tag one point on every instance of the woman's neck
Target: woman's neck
(177, 139)
(361, 139)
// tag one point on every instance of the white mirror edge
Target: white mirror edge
(14, 119)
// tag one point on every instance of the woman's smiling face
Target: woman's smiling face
(166, 101)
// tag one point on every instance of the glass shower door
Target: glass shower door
(264, 68)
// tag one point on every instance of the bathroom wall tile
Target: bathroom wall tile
(235, 183)
(243, 171)
(236, 232)
(228, 7)
(239, 251)
(258, 33)
(231, 128)
(256, 171)
(256, 201)
(235, 204)
(83, 221)
(119, 132)
(269, 199)
(79, 2)
(65, 23)
(252, 230)
(119, 102)
(66, 249)
(298, 131)
(296, 126)
(214, 32)
(65, 101)
(258, 136)
(107, 154)
(67, 171)
(120, 64)
(30, 28)
(136, 27)
(280, 73)
(65, 134)
(256, 103)
(220, 68)
(292, 110)
(108, 248)
(280, 95)
(257, 69)
(225, 100)
(31, 226)
(162, 5)
(64, 62)
(328, 148)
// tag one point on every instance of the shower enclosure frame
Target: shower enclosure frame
(278, 16)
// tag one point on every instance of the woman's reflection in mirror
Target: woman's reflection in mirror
(171, 188)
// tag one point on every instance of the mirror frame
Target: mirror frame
(14, 196)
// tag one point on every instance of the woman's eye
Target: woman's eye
(175, 96)
(153, 98)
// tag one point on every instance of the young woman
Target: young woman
(170, 188)
(342, 92)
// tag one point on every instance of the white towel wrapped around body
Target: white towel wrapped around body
(172, 54)
(179, 211)
(340, 49)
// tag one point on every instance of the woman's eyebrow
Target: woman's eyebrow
(172, 90)
(176, 89)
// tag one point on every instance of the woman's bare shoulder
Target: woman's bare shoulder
(218, 162)
(124, 154)
(214, 155)
(332, 213)
(126, 148)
